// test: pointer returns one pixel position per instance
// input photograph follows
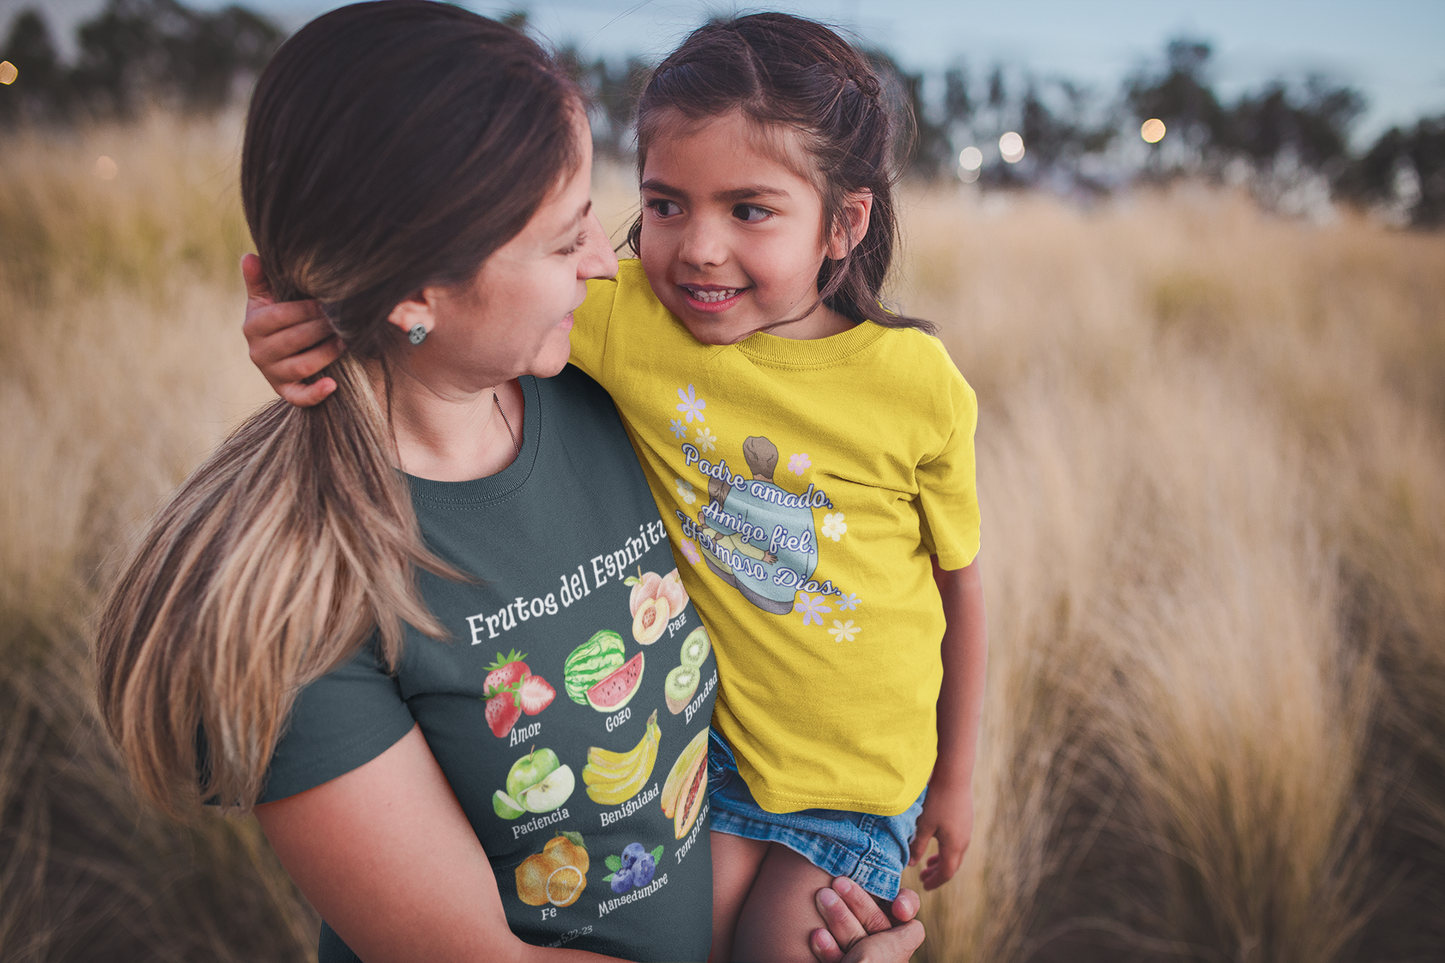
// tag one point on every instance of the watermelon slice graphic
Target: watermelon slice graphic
(615, 691)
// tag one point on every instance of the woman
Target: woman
(424, 174)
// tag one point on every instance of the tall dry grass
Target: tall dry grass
(1212, 460)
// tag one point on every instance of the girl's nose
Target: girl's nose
(598, 259)
(703, 245)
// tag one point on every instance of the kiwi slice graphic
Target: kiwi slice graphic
(681, 684)
(696, 647)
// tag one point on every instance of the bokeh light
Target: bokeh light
(1152, 131)
(970, 158)
(1011, 146)
(8, 73)
(106, 168)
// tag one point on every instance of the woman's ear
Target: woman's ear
(851, 224)
(415, 310)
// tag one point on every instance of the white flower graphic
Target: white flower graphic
(848, 602)
(834, 526)
(844, 631)
(797, 464)
(677, 428)
(691, 405)
(684, 491)
(812, 607)
(706, 440)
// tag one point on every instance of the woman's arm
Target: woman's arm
(387, 857)
(948, 809)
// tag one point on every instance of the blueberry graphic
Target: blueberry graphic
(632, 854)
(643, 869)
(622, 881)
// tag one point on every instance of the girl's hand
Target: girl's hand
(289, 342)
(948, 817)
(859, 931)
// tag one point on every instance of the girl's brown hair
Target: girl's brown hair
(389, 146)
(784, 71)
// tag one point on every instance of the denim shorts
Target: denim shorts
(870, 850)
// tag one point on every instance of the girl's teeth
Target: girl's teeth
(713, 297)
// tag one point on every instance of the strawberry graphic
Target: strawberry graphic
(503, 710)
(505, 673)
(536, 694)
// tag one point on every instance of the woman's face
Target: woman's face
(513, 318)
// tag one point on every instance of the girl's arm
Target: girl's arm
(948, 809)
(387, 857)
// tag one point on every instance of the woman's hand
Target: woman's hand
(290, 341)
(859, 931)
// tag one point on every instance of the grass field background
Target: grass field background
(1212, 464)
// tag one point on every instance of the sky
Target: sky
(1391, 50)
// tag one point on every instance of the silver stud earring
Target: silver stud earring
(417, 334)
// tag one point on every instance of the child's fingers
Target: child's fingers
(922, 834)
(297, 368)
(257, 288)
(289, 343)
(944, 864)
(306, 396)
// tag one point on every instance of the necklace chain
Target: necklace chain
(515, 443)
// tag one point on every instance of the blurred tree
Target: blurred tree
(957, 105)
(1312, 130)
(1405, 171)
(1180, 97)
(41, 90)
(923, 146)
(136, 51)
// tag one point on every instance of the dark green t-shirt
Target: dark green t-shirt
(569, 711)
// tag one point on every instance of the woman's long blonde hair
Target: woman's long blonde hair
(388, 146)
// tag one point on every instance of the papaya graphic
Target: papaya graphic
(686, 788)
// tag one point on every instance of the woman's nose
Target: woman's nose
(598, 259)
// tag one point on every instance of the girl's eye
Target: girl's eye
(662, 207)
(574, 247)
(748, 212)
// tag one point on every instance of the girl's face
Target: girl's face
(732, 237)
(513, 318)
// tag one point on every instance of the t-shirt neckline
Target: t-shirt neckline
(504, 482)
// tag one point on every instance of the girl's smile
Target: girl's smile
(732, 236)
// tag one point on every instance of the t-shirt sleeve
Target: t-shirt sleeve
(340, 722)
(589, 327)
(947, 489)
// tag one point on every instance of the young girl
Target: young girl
(811, 453)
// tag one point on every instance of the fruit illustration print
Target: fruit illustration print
(557, 874)
(510, 690)
(760, 538)
(634, 868)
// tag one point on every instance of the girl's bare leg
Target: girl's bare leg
(779, 915)
(735, 865)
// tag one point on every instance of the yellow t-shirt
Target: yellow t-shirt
(806, 484)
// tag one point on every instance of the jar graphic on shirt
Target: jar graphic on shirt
(763, 541)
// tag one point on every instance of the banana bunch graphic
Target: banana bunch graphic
(615, 777)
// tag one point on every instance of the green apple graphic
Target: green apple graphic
(530, 770)
(537, 783)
